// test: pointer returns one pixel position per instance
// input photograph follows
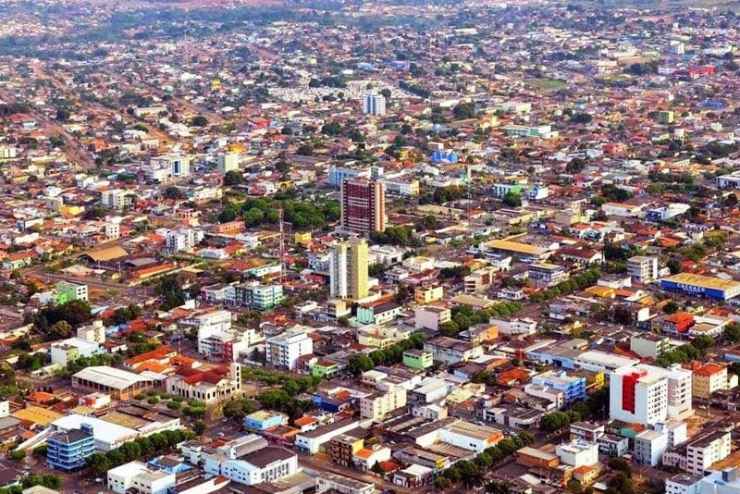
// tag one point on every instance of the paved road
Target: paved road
(319, 463)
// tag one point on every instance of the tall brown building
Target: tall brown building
(363, 206)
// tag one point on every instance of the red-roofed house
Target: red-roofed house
(678, 324)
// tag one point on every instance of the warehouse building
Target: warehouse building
(704, 286)
(120, 384)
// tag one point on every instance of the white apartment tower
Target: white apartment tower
(373, 104)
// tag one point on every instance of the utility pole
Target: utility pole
(468, 177)
(282, 246)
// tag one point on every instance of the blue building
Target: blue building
(574, 388)
(443, 156)
(337, 175)
(704, 286)
(69, 450)
(332, 403)
(169, 464)
(262, 420)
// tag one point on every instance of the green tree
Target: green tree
(574, 486)
(359, 363)
(199, 121)
(17, 454)
(254, 217)
(512, 199)
(233, 177)
(554, 421)
(671, 307)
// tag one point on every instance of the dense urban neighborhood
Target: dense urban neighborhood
(369, 246)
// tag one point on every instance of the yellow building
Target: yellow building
(379, 336)
(708, 378)
(236, 147)
(595, 380)
(70, 210)
(601, 291)
(378, 405)
(428, 295)
(348, 270)
(302, 239)
(515, 248)
(357, 269)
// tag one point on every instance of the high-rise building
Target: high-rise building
(638, 394)
(348, 268)
(363, 206)
(373, 104)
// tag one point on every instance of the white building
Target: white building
(578, 453)
(679, 392)
(113, 198)
(167, 166)
(513, 327)
(638, 394)
(108, 436)
(377, 405)
(210, 386)
(228, 162)
(136, 476)
(209, 324)
(431, 317)
(373, 104)
(268, 464)
(643, 268)
(598, 361)
(724, 482)
(710, 447)
(66, 351)
(677, 430)
(112, 230)
(94, 332)
(183, 239)
(650, 446)
(470, 436)
(312, 441)
(557, 398)
(682, 484)
(285, 349)
(717, 482)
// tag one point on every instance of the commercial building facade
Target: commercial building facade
(704, 286)
(69, 450)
